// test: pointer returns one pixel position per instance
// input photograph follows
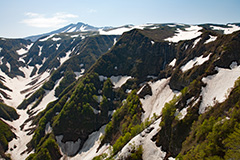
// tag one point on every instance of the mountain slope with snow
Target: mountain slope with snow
(141, 91)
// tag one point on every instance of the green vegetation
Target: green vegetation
(47, 150)
(125, 123)
(136, 153)
(69, 77)
(40, 92)
(7, 112)
(6, 135)
(215, 135)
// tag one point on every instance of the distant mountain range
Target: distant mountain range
(152, 91)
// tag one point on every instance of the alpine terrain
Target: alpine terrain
(150, 92)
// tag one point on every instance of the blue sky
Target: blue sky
(21, 18)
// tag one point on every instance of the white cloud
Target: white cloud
(42, 21)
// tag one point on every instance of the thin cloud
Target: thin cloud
(92, 11)
(42, 21)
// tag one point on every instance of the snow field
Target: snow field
(189, 33)
(218, 86)
(161, 93)
(233, 28)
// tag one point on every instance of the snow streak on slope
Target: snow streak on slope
(211, 39)
(150, 150)
(189, 33)
(218, 86)
(161, 93)
(173, 62)
(194, 62)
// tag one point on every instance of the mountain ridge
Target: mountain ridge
(143, 89)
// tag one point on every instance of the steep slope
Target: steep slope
(60, 53)
(148, 88)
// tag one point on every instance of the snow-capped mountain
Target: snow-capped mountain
(139, 88)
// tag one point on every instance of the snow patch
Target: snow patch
(58, 45)
(189, 33)
(195, 62)
(102, 78)
(173, 63)
(150, 150)
(161, 93)
(48, 128)
(196, 42)
(218, 86)
(44, 39)
(211, 39)
(8, 66)
(63, 59)
(1, 49)
(69, 148)
(231, 28)
(114, 41)
(40, 50)
(118, 81)
(56, 39)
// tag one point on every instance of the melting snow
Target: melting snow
(22, 50)
(58, 45)
(44, 39)
(63, 59)
(40, 50)
(69, 148)
(89, 150)
(194, 62)
(48, 128)
(189, 33)
(22, 138)
(9, 66)
(74, 36)
(218, 86)
(56, 39)
(195, 42)
(150, 150)
(211, 39)
(118, 81)
(233, 28)
(114, 41)
(48, 97)
(16, 96)
(161, 93)
(173, 62)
